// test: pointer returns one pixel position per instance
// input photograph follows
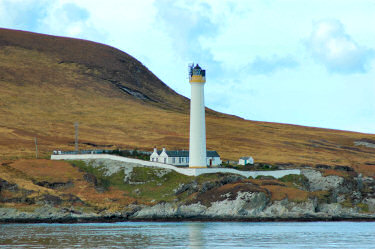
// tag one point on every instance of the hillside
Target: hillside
(48, 83)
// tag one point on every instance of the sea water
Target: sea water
(190, 235)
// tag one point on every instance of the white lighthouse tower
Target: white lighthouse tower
(197, 146)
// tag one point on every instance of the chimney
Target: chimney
(164, 150)
(155, 150)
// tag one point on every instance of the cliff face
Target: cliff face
(109, 190)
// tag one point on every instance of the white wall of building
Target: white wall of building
(215, 161)
(179, 161)
(154, 156)
(163, 157)
(249, 160)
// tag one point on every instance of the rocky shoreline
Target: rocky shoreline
(315, 195)
(244, 208)
(114, 218)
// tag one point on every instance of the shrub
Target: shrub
(363, 207)
(131, 153)
(262, 177)
(264, 166)
(299, 180)
(101, 180)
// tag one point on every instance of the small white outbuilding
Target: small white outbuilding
(246, 160)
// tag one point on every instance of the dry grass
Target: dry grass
(331, 172)
(56, 171)
(282, 190)
(279, 193)
(22, 180)
(45, 89)
(367, 170)
(25, 173)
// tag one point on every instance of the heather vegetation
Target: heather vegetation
(297, 180)
(131, 153)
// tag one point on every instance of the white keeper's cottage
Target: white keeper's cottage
(181, 157)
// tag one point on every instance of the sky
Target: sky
(304, 62)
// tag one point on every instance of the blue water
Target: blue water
(190, 235)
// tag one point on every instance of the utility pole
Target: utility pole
(36, 147)
(76, 137)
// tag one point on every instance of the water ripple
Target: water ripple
(190, 235)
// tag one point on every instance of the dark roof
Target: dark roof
(246, 157)
(212, 153)
(177, 153)
(185, 153)
(197, 67)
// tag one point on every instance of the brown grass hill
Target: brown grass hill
(47, 83)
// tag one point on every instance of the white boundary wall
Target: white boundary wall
(185, 171)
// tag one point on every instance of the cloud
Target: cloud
(262, 65)
(330, 45)
(55, 17)
(23, 14)
(74, 13)
(70, 19)
(185, 24)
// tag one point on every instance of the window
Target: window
(157, 159)
(173, 160)
(165, 160)
(152, 159)
(183, 159)
(179, 160)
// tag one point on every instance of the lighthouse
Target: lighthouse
(197, 145)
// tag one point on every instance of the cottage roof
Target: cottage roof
(246, 158)
(212, 153)
(185, 153)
